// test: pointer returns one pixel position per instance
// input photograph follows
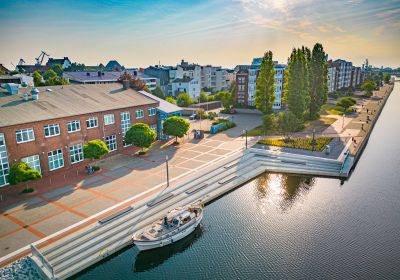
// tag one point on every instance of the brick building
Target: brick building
(49, 133)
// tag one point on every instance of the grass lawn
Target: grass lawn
(298, 143)
(331, 109)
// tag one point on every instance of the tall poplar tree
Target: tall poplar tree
(318, 80)
(296, 88)
(265, 88)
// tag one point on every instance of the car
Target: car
(193, 117)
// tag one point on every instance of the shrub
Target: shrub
(176, 126)
(346, 102)
(28, 190)
(95, 149)
(299, 143)
(140, 135)
(22, 172)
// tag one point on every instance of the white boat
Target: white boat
(177, 224)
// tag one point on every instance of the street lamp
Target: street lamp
(343, 121)
(245, 132)
(313, 139)
(166, 163)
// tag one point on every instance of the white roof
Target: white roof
(164, 106)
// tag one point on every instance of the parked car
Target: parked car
(192, 117)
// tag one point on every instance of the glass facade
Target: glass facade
(33, 162)
(4, 167)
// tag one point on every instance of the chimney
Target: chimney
(125, 84)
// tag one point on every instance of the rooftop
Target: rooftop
(66, 101)
(164, 106)
(87, 76)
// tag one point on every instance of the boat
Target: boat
(177, 224)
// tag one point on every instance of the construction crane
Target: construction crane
(40, 58)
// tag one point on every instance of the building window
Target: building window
(25, 135)
(56, 159)
(76, 153)
(73, 126)
(111, 142)
(241, 88)
(33, 162)
(109, 119)
(51, 130)
(139, 114)
(4, 167)
(125, 124)
(152, 111)
(92, 122)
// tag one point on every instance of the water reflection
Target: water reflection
(147, 260)
(282, 190)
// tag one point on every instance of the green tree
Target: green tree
(170, 100)
(158, 92)
(140, 135)
(176, 126)
(55, 81)
(183, 99)
(346, 102)
(203, 97)
(49, 74)
(386, 78)
(95, 149)
(286, 122)
(296, 88)
(37, 79)
(265, 88)
(368, 86)
(227, 99)
(22, 172)
(58, 69)
(318, 80)
(2, 72)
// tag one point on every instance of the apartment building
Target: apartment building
(162, 74)
(48, 126)
(213, 78)
(186, 85)
(252, 72)
(342, 74)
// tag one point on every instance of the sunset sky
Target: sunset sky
(223, 32)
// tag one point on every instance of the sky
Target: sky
(220, 32)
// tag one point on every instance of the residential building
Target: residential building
(64, 62)
(48, 130)
(213, 78)
(247, 98)
(162, 73)
(92, 77)
(151, 82)
(186, 85)
(345, 69)
(32, 68)
(342, 74)
(192, 71)
(333, 73)
(355, 76)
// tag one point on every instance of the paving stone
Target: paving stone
(56, 223)
(7, 226)
(95, 206)
(37, 212)
(15, 241)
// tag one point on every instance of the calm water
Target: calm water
(289, 227)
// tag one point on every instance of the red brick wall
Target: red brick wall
(242, 74)
(42, 145)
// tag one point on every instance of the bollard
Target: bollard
(64, 177)
(50, 181)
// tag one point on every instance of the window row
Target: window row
(50, 130)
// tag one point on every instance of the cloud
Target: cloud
(378, 31)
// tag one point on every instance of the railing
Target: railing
(45, 263)
(344, 161)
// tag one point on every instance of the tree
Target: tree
(55, 81)
(134, 82)
(265, 88)
(2, 72)
(140, 135)
(22, 172)
(368, 86)
(386, 78)
(287, 123)
(37, 79)
(170, 100)
(76, 67)
(203, 97)
(95, 149)
(176, 126)
(346, 102)
(227, 99)
(183, 99)
(58, 69)
(296, 88)
(318, 80)
(49, 74)
(158, 92)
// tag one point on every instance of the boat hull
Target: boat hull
(148, 245)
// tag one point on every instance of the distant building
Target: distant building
(342, 74)
(6, 79)
(48, 130)
(151, 82)
(64, 62)
(246, 93)
(92, 77)
(162, 74)
(32, 68)
(186, 85)
(113, 65)
(213, 78)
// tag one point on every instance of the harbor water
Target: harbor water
(291, 227)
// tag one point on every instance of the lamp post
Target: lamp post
(245, 132)
(343, 121)
(313, 139)
(166, 163)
